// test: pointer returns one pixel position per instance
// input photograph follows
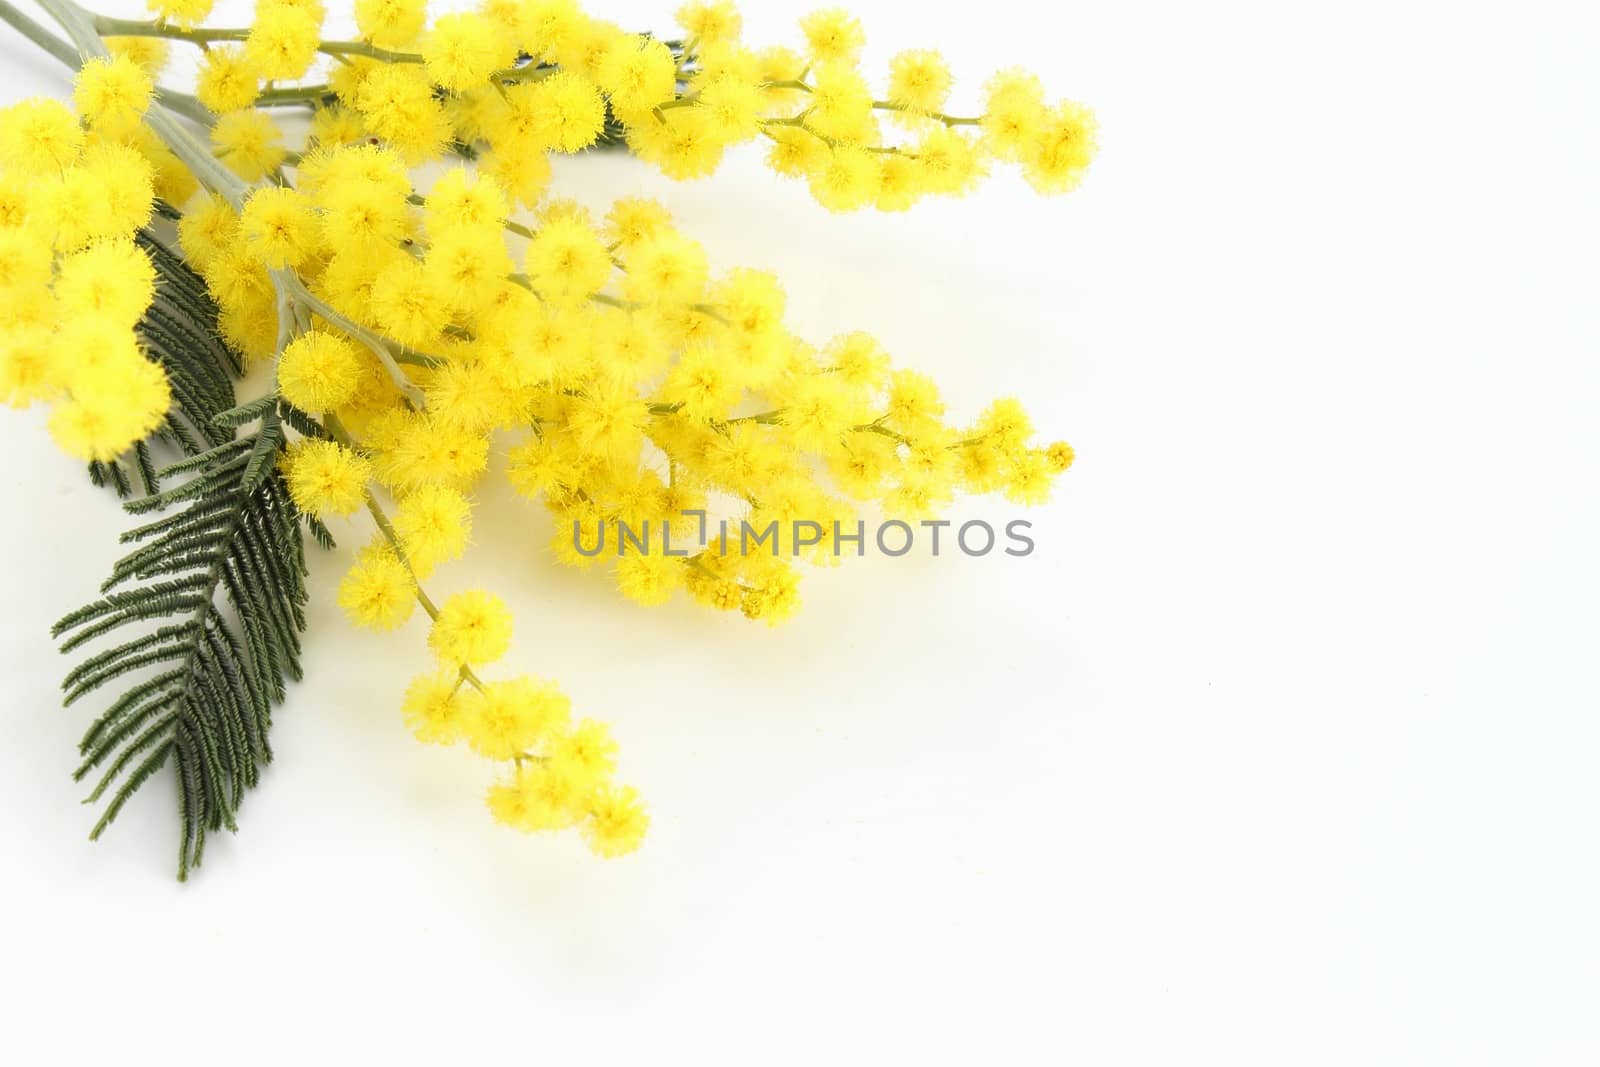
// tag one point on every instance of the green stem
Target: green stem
(290, 283)
(368, 50)
(765, 418)
(336, 430)
(303, 94)
(948, 120)
(527, 72)
(510, 225)
(798, 122)
(873, 427)
(38, 34)
(204, 35)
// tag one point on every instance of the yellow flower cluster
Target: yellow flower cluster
(560, 774)
(73, 283)
(425, 327)
(520, 79)
(643, 385)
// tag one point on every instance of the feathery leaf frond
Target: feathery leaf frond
(207, 607)
(223, 584)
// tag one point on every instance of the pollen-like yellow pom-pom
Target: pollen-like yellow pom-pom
(318, 371)
(638, 73)
(566, 111)
(463, 200)
(39, 136)
(840, 102)
(118, 398)
(1060, 456)
(434, 523)
(567, 261)
(379, 592)
(279, 227)
(711, 21)
(649, 579)
(586, 753)
(406, 300)
(473, 628)
(848, 181)
(149, 54)
(112, 279)
(833, 35)
(504, 720)
(462, 50)
(207, 230)
(325, 478)
(283, 41)
(112, 94)
(227, 80)
(539, 797)
(182, 12)
(1061, 149)
(390, 23)
(25, 356)
(1013, 110)
(250, 143)
(26, 266)
(434, 709)
(617, 821)
(919, 80)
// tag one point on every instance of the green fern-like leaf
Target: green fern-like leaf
(214, 595)
(201, 620)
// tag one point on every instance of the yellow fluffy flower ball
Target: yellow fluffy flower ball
(711, 21)
(504, 720)
(1061, 149)
(473, 628)
(833, 35)
(539, 797)
(319, 371)
(39, 136)
(433, 708)
(378, 593)
(390, 23)
(182, 12)
(461, 51)
(118, 398)
(325, 478)
(434, 523)
(112, 94)
(616, 822)
(111, 278)
(227, 79)
(567, 261)
(919, 80)
(283, 40)
(279, 227)
(250, 143)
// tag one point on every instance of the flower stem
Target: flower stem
(204, 35)
(38, 34)
(336, 430)
(379, 346)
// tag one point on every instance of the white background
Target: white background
(1280, 750)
